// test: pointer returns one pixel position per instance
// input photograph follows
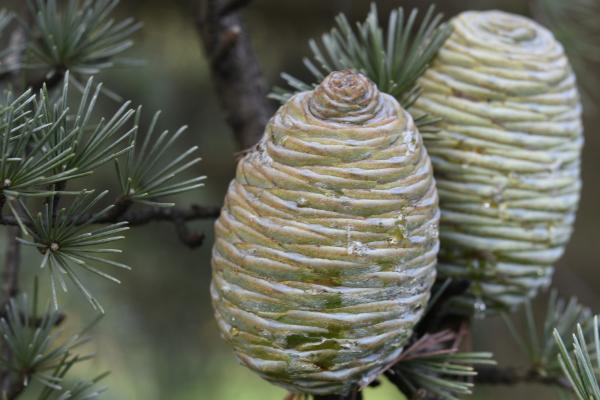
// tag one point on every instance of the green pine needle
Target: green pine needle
(77, 35)
(435, 366)
(78, 390)
(93, 141)
(149, 172)
(538, 342)
(69, 244)
(581, 364)
(31, 159)
(44, 142)
(394, 59)
(37, 351)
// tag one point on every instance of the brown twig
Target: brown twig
(186, 236)
(432, 344)
(237, 77)
(179, 217)
(51, 81)
(55, 199)
(143, 216)
(438, 317)
(120, 207)
(150, 214)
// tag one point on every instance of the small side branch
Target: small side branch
(51, 81)
(146, 215)
(238, 80)
(178, 217)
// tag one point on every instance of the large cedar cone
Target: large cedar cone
(507, 159)
(326, 247)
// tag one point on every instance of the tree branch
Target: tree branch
(145, 215)
(237, 77)
(50, 81)
(11, 388)
(178, 217)
(120, 207)
(494, 375)
(438, 318)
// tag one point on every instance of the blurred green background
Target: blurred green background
(158, 336)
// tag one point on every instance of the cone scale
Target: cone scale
(507, 158)
(326, 247)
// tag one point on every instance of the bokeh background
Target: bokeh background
(158, 336)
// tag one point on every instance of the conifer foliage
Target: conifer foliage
(52, 139)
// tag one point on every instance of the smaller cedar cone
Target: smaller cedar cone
(507, 158)
(326, 247)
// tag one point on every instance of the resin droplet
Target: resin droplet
(357, 249)
(479, 308)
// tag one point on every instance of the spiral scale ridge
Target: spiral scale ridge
(326, 246)
(507, 159)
